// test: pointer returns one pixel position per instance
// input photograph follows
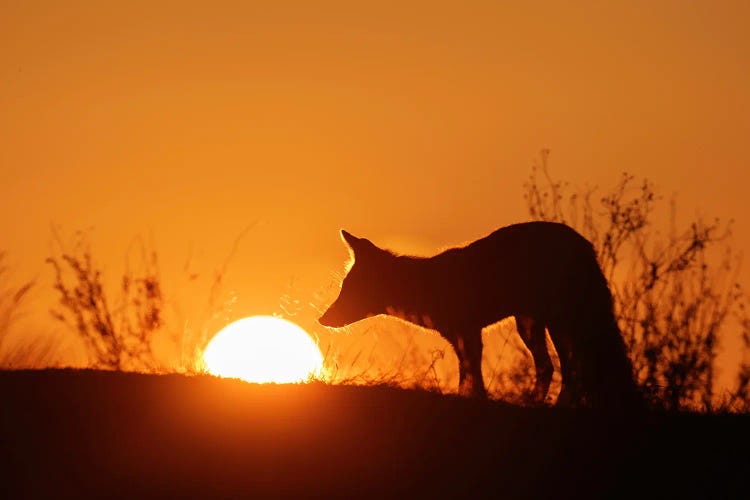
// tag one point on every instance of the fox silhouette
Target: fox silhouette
(544, 274)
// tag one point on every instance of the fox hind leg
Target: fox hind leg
(469, 352)
(532, 333)
(571, 392)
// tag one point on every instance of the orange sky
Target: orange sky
(413, 123)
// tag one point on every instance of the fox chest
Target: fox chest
(419, 318)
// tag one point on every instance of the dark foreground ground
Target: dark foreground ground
(72, 434)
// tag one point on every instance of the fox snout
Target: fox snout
(340, 314)
(329, 319)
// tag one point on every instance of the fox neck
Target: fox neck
(408, 296)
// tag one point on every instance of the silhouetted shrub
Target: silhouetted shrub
(674, 291)
(118, 334)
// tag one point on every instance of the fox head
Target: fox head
(362, 292)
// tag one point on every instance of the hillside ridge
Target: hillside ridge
(91, 433)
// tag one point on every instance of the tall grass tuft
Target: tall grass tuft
(26, 351)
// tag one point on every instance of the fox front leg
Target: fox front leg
(469, 353)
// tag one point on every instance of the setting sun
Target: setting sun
(263, 349)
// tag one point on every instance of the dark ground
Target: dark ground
(72, 434)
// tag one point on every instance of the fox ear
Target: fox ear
(349, 238)
(358, 245)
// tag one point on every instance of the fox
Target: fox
(544, 274)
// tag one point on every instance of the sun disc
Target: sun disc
(263, 349)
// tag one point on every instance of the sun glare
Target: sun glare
(263, 349)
